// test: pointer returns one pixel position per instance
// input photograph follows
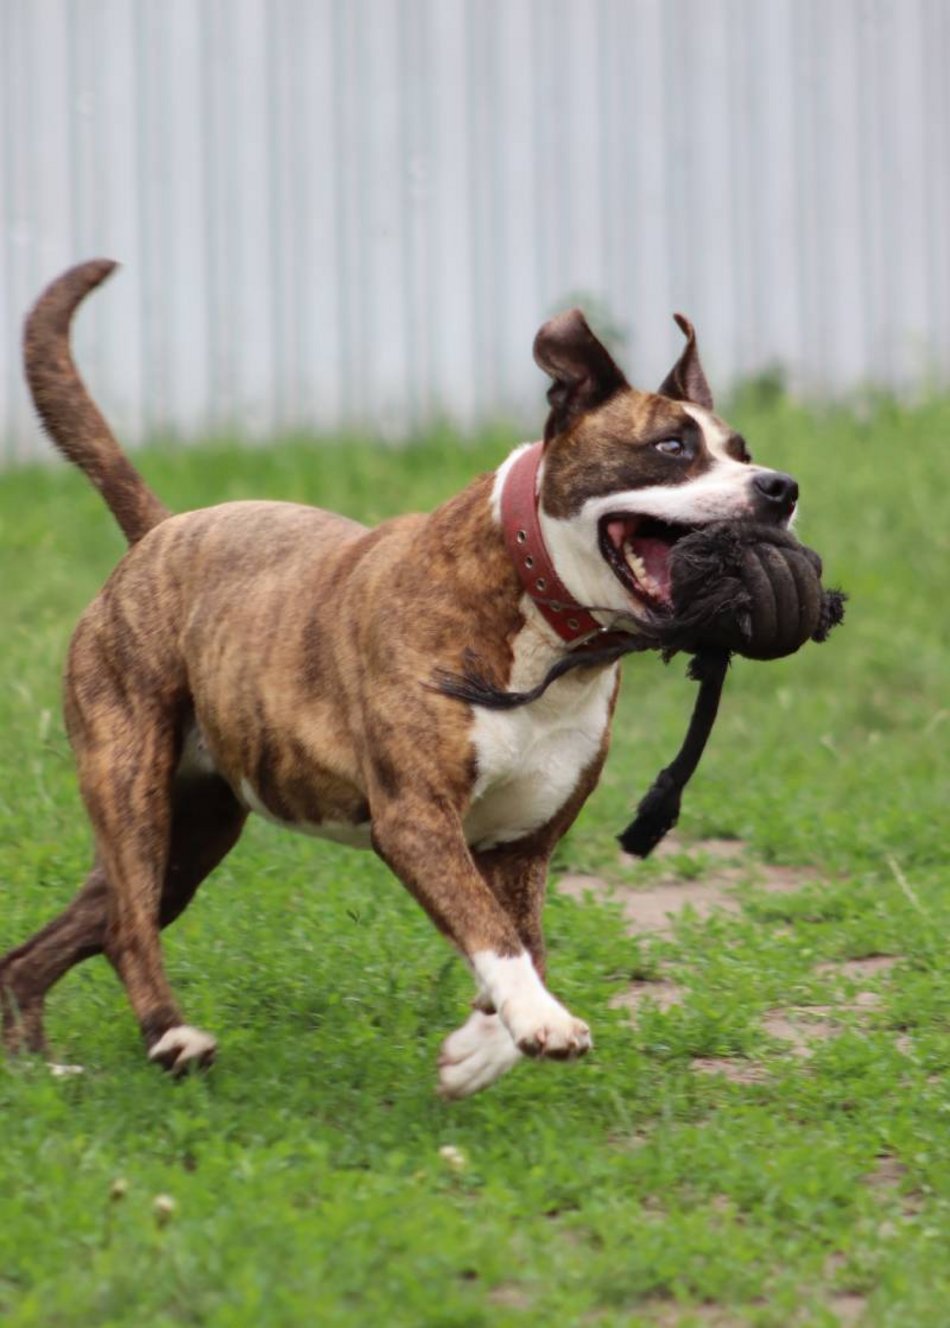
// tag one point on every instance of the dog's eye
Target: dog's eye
(674, 447)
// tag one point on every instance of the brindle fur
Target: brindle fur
(299, 645)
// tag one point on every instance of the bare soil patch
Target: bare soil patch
(888, 1171)
(736, 1071)
(859, 970)
(509, 1296)
(653, 908)
(799, 1027)
(630, 1141)
(673, 846)
(802, 1025)
(848, 1307)
(662, 993)
(666, 1314)
(731, 861)
(887, 1177)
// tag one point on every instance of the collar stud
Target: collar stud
(522, 531)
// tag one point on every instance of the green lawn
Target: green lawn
(796, 1184)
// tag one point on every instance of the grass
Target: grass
(305, 1170)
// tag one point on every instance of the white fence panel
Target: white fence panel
(355, 213)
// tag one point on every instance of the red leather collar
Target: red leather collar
(574, 624)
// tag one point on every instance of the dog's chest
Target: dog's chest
(530, 760)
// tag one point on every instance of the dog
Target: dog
(274, 658)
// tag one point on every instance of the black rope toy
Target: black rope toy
(737, 588)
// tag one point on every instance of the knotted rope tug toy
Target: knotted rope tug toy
(741, 589)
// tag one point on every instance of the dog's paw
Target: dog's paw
(21, 1014)
(544, 1028)
(475, 1055)
(59, 1071)
(539, 1025)
(183, 1048)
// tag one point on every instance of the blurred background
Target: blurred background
(354, 214)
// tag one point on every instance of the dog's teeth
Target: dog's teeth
(636, 565)
(641, 575)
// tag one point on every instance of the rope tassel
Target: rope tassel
(659, 808)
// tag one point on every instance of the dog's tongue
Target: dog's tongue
(656, 558)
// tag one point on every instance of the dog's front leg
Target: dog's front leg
(422, 840)
(517, 875)
(482, 1050)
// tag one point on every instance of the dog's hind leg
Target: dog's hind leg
(206, 823)
(29, 970)
(135, 863)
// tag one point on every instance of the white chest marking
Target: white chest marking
(529, 760)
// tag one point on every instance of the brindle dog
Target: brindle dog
(272, 657)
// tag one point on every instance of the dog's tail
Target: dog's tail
(69, 415)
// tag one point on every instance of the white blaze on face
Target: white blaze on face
(723, 492)
(715, 436)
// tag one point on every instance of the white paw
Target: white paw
(182, 1048)
(539, 1025)
(64, 1071)
(475, 1055)
(545, 1028)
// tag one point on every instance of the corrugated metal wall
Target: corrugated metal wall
(358, 211)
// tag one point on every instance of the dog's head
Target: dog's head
(628, 473)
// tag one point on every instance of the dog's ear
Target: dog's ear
(686, 381)
(582, 368)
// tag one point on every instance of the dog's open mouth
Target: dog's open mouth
(638, 549)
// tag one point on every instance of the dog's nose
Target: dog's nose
(779, 491)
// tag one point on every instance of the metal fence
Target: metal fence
(355, 213)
